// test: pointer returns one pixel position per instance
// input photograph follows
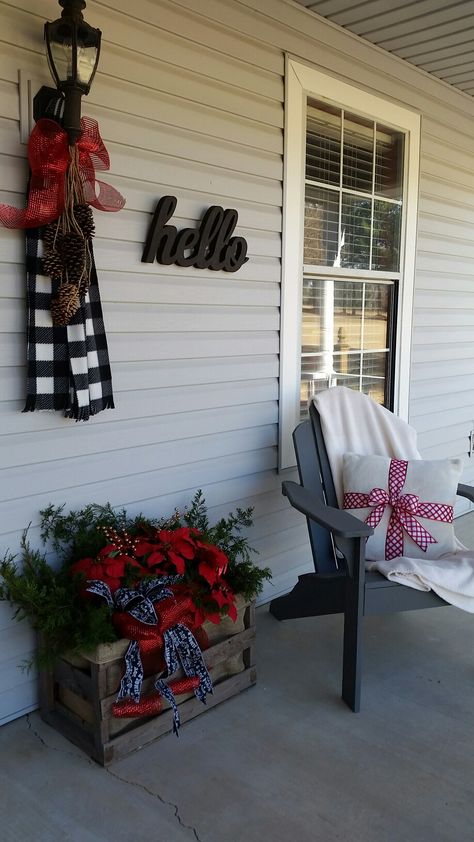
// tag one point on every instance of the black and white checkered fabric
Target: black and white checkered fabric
(67, 367)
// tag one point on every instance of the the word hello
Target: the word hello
(211, 246)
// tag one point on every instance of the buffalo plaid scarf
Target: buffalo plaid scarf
(67, 367)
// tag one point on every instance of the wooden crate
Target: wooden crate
(76, 697)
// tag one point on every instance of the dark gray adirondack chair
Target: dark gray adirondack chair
(339, 585)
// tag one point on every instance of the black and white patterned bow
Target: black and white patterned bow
(180, 645)
(182, 649)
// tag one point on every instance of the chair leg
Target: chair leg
(352, 653)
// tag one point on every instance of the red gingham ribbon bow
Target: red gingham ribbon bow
(404, 509)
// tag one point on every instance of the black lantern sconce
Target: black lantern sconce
(73, 49)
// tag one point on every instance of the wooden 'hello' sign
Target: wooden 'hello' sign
(210, 246)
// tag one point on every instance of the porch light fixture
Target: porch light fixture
(73, 48)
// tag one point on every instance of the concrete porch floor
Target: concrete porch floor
(284, 760)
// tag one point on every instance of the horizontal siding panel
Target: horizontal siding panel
(12, 671)
(131, 460)
(19, 700)
(437, 260)
(437, 387)
(445, 317)
(454, 209)
(186, 89)
(444, 149)
(186, 143)
(434, 299)
(442, 368)
(428, 407)
(123, 257)
(449, 171)
(441, 283)
(429, 422)
(139, 492)
(154, 167)
(443, 350)
(252, 214)
(132, 347)
(163, 288)
(206, 30)
(122, 317)
(236, 490)
(429, 335)
(255, 421)
(131, 377)
(134, 404)
(445, 194)
(454, 230)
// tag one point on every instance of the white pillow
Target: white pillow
(430, 525)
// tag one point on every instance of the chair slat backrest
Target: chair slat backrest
(326, 473)
(313, 475)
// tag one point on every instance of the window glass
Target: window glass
(346, 337)
(358, 158)
(323, 143)
(321, 226)
(386, 236)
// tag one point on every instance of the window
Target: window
(351, 183)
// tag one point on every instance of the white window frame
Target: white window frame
(303, 81)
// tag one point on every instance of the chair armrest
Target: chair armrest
(337, 521)
(466, 491)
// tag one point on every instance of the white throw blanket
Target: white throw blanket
(352, 422)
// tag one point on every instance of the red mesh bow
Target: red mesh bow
(404, 509)
(49, 158)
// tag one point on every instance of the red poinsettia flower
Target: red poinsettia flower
(212, 562)
(175, 546)
(108, 568)
(225, 598)
(143, 548)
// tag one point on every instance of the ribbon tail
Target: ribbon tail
(168, 694)
(416, 531)
(102, 196)
(45, 205)
(394, 538)
(190, 655)
(131, 683)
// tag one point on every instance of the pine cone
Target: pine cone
(72, 249)
(52, 264)
(65, 305)
(49, 234)
(85, 219)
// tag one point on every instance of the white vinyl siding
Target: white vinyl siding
(190, 101)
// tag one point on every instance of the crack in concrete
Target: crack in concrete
(163, 801)
(43, 742)
(118, 777)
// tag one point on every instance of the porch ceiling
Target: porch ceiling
(435, 35)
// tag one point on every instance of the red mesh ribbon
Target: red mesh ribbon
(170, 612)
(404, 509)
(49, 158)
(152, 703)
